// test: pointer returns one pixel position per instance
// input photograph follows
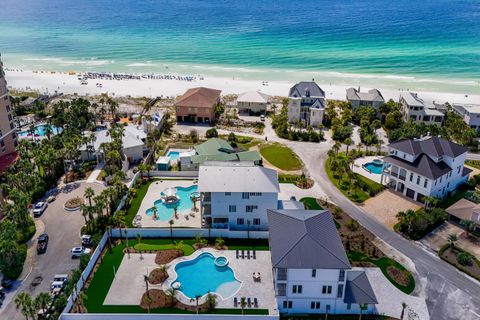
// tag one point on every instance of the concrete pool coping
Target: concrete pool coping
(172, 274)
(358, 167)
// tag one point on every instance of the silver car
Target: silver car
(78, 251)
(39, 208)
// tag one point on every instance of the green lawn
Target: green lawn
(233, 244)
(136, 202)
(473, 163)
(360, 196)
(311, 203)
(186, 248)
(280, 156)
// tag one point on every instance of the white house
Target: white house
(372, 98)
(311, 271)
(236, 195)
(306, 103)
(253, 101)
(418, 110)
(426, 167)
(470, 114)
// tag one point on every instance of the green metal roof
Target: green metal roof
(214, 146)
(249, 156)
(241, 156)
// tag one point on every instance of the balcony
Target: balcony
(282, 274)
(402, 177)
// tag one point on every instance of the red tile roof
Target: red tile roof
(199, 97)
(7, 160)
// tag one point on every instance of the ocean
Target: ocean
(423, 45)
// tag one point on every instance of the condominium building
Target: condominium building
(415, 109)
(470, 114)
(306, 103)
(8, 137)
(311, 271)
(237, 195)
(426, 167)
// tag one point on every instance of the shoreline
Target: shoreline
(68, 83)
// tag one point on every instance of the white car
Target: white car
(39, 208)
(78, 251)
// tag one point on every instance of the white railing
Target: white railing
(87, 316)
(169, 174)
(189, 233)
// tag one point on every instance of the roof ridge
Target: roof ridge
(291, 248)
(333, 254)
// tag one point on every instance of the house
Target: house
(311, 271)
(237, 195)
(430, 166)
(215, 149)
(372, 98)
(253, 101)
(418, 110)
(465, 209)
(134, 147)
(306, 103)
(470, 114)
(197, 105)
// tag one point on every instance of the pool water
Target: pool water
(165, 211)
(174, 155)
(375, 168)
(200, 276)
(40, 131)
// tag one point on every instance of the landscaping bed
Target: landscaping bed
(299, 180)
(74, 203)
(451, 255)
(157, 276)
(166, 256)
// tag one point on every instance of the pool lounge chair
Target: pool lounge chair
(254, 254)
(235, 302)
(248, 254)
(249, 302)
(237, 254)
(243, 254)
(255, 302)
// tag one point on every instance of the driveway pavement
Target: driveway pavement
(63, 228)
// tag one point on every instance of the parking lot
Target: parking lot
(63, 228)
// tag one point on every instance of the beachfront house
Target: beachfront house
(253, 102)
(470, 114)
(306, 103)
(236, 195)
(215, 149)
(372, 98)
(430, 167)
(197, 105)
(415, 109)
(311, 271)
(465, 209)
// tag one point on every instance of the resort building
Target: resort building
(197, 105)
(306, 103)
(8, 137)
(470, 114)
(419, 111)
(237, 195)
(465, 209)
(253, 102)
(430, 167)
(311, 271)
(215, 149)
(372, 98)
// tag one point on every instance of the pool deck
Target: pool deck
(129, 278)
(357, 168)
(153, 194)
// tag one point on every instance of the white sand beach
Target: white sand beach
(48, 82)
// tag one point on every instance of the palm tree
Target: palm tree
(336, 147)
(219, 242)
(452, 238)
(347, 142)
(197, 298)
(170, 223)
(469, 226)
(211, 301)
(404, 306)
(146, 279)
(89, 193)
(23, 301)
(171, 293)
(148, 301)
(154, 212)
(41, 301)
(243, 304)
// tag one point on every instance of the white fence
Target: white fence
(86, 316)
(86, 273)
(188, 233)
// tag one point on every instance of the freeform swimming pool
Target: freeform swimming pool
(373, 167)
(174, 155)
(200, 276)
(40, 131)
(166, 211)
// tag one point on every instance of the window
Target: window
(411, 176)
(255, 194)
(232, 208)
(281, 289)
(240, 221)
(228, 193)
(287, 305)
(341, 276)
(314, 273)
(250, 208)
(256, 221)
(349, 306)
(327, 289)
(425, 183)
(9, 117)
(458, 169)
(297, 289)
(340, 291)
(245, 195)
(314, 305)
(418, 180)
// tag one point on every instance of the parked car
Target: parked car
(7, 283)
(86, 240)
(78, 251)
(262, 118)
(60, 278)
(42, 243)
(51, 198)
(39, 208)
(57, 285)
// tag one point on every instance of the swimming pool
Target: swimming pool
(374, 167)
(40, 131)
(166, 211)
(200, 276)
(174, 155)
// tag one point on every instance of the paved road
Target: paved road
(63, 229)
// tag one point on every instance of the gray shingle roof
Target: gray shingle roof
(305, 239)
(358, 289)
(433, 146)
(423, 165)
(301, 88)
(371, 95)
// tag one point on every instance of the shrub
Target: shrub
(211, 133)
(353, 225)
(465, 258)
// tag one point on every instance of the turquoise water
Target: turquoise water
(165, 212)
(200, 276)
(429, 44)
(174, 155)
(40, 131)
(373, 167)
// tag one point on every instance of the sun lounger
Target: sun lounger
(248, 254)
(235, 302)
(249, 302)
(243, 254)
(237, 254)
(255, 302)
(254, 254)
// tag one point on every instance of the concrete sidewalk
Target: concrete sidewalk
(95, 173)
